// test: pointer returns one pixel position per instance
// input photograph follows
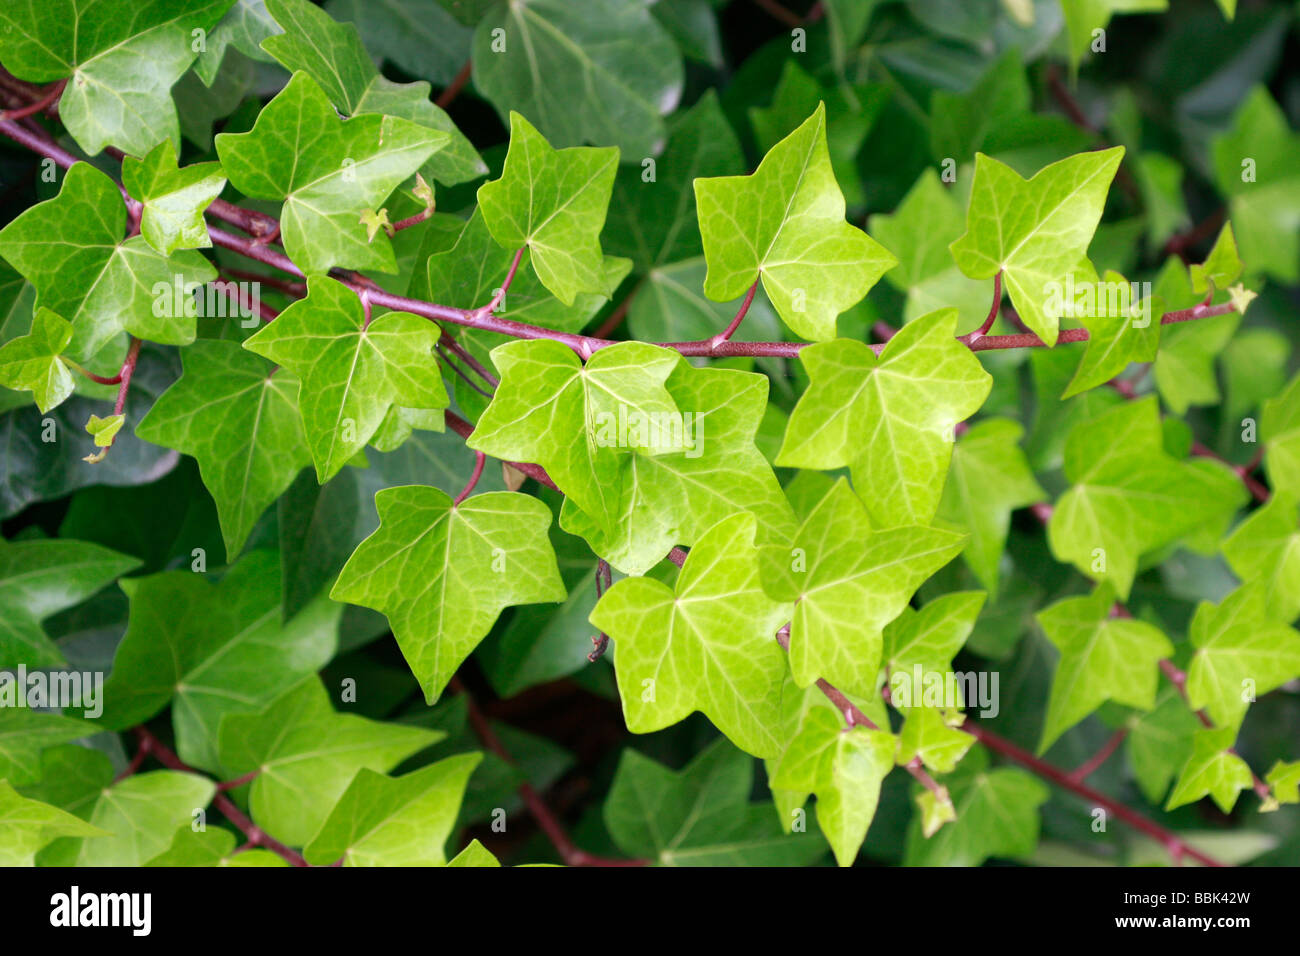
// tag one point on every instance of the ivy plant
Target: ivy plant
(811, 435)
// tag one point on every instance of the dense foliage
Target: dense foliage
(683, 432)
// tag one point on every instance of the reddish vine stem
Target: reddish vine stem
(1179, 243)
(479, 458)
(295, 289)
(730, 330)
(231, 291)
(549, 823)
(49, 99)
(778, 12)
(128, 370)
(457, 84)
(256, 836)
(500, 295)
(1089, 767)
(992, 316)
(410, 221)
(616, 318)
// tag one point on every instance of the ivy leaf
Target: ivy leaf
(443, 572)
(327, 179)
(1266, 548)
(1212, 770)
(1102, 658)
(395, 821)
(1222, 267)
(353, 371)
(848, 580)
(996, 815)
(240, 420)
(1257, 166)
(475, 854)
(28, 825)
(889, 418)
(244, 27)
(25, 734)
(214, 847)
(1159, 743)
(1130, 496)
(652, 214)
(1035, 231)
(173, 198)
(1279, 429)
(989, 477)
(71, 248)
(306, 754)
(121, 61)
(1184, 369)
(785, 224)
(332, 54)
(208, 650)
(844, 767)
(1122, 329)
(921, 642)
(919, 232)
(553, 201)
(701, 815)
(674, 498)
(39, 578)
(926, 734)
(1284, 781)
(31, 362)
(553, 411)
(708, 644)
(605, 72)
(141, 812)
(1242, 652)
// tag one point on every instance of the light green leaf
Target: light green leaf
(1242, 653)
(306, 754)
(1284, 780)
(395, 821)
(927, 735)
(71, 248)
(31, 362)
(328, 178)
(28, 825)
(1279, 429)
(1035, 231)
(601, 72)
(141, 812)
(1129, 496)
(709, 644)
(443, 572)
(1122, 328)
(212, 847)
(1102, 658)
(353, 371)
(1159, 743)
(554, 202)
(121, 61)
(25, 734)
(173, 198)
(918, 644)
(890, 417)
(474, 855)
(989, 477)
(848, 580)
(1222, 267)
(785, 224)
(1266, 548)
(1212, 770)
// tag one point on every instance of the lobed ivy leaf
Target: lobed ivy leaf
(1035, 231)
(172, 198)
(1129, 496)
(1159, 743)
(927, 735)
(32, 362)
(28, 825)
(602, 72)
(212, 847)
(354, 370)
(442, 572)
(1212, 770)
(395, 821)
(1102, 658)
(306, 754)
(707, 644)
(41, 577)
(922, 642)
(553, 201)
(784, 224)
(120, 59)
(72, 249)
(239, 418)
(847, 580)
(140, 813)
(332, 54)
(327, 175)
(889, 418)
(1124, 328)
(1266, 548)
